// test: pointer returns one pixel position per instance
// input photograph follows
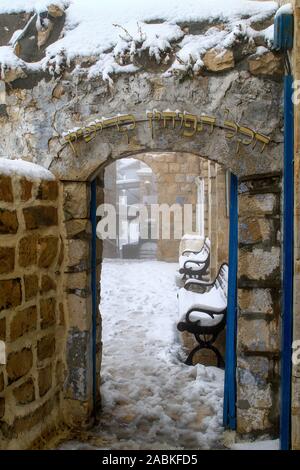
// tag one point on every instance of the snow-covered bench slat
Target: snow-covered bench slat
(204, 311)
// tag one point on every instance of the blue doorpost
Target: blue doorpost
(288, 266)
(229, 414)
(93, 219)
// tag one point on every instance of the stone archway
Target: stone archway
(245, 91)
(259, 264)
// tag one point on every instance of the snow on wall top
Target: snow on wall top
(114, 31)
(29, 170)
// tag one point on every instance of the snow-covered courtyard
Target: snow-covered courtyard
(151, 399)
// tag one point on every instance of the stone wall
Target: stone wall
(35, 111)
(77, 234)
(259, 301)
(176, 174)
(32, 322)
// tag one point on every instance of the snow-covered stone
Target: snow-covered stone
(217, 61)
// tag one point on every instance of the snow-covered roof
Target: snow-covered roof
(113, 32)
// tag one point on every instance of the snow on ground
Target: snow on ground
(151, 400)
(257, 445)
(22, 168)
(114, 32)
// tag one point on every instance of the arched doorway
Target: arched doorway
(258, 201)
(116, 289)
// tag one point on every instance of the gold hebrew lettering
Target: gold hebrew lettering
(189, 121)
(126, 123)
(263, 139)
(99, 126)
(169, 116)
(90, 133)
(208, 120)
(153, 116)
(111, 122)
(231, 125)
(247, 132)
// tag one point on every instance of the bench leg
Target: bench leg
(189, 361)
(205, 345)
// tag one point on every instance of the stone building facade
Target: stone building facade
(37, 109)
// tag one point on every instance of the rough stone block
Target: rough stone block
(255, 230)
(259, 264)
(257, 204)
(25, 423)
(76, 201)
(252, 396)
(48, 191)
(78, 364)
(78, 227)
(218, 61)
(31, 282)
(10, 293)
(48, 251)
(47, 284)
(2, 407)
(268, 64)
(28, 251)
(258, 336)
(45, 380)
(55, 11)
(46, 347)
(3, 329)
(78, 281)
(254, 370)
(47, 312)
(25, 189)
(8, 222)
(80, 312)
(19, 364)
(7, 259)
(296, 430)
(253, 420)
(255, 300)
(23, 322)
(77, 254)
(1, 382)
(25, 393)
(40, 216)
(6, 190)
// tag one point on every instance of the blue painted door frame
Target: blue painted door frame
(229, 411)
(288, 266)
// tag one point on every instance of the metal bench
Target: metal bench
(195, 264)
(203, 306)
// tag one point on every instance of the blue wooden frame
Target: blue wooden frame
(288, 266)
(95, 310)
(229, 412)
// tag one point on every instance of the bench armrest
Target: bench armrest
(202, 310)
(200, 264)
(190, 252)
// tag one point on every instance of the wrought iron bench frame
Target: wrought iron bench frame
(201, 266)
(205, 336)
